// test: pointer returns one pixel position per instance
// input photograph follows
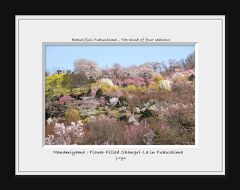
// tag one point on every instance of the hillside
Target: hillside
(148, 104)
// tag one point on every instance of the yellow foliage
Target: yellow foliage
(72, 115)
(85, 120)
(142, 89)
(53, 85)
(105, 87)
(153, 86)
(157, 77)
(131, 87)
(182, 78)
(80, 90)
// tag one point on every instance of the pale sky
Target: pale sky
(63, 57)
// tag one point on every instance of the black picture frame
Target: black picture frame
(10, 163)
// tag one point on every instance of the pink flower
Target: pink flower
(138, 133)
(137, 81)
(65, 99)
(89, 68)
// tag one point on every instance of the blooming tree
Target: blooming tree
(66, 135)
(165, 85)
(65, 99)
(107, 81)
(138, 133)
(89, 68)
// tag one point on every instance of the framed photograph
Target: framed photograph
(120, 95)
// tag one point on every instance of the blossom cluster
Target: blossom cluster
(65, 99)
(66, 135)
(139, 133)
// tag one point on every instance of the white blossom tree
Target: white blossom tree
(89, 68)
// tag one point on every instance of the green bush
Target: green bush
(122, 101)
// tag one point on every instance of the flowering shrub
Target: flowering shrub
(138, 134)
(165, 85)
(89, 68)
(81, 79)
(123, 109)
(177, 76)
(189, 72)
(182, 118)
(137, 110)
(131, 87)
(72, 134)
(132, 120)
(145, 71)
(76, 132)
(88, 106)
(157, 77)
(116, 93)
(113, 101)
(122, 101)
(148, 109)
(167, 136)
(104, 131)
(122, 105)
(181, 75)
(53, 85)
(72, 114)
(137, 81)
(142, 89)
(54, 109)
(107, 81)
(185, 91)
(106, 86)
(153, 86)
(59, 129)
(65, 99)
(49, 121)
(80, 90)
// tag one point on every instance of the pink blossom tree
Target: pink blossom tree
(89, 68)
